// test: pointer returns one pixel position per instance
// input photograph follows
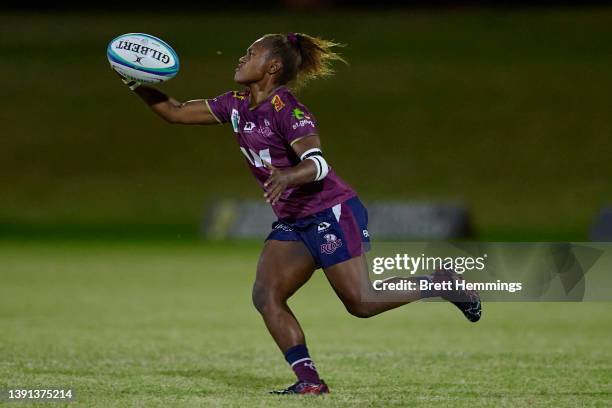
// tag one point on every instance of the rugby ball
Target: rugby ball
(143, 58)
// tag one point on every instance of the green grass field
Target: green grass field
(169, 323)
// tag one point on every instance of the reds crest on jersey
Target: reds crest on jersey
(277, 102)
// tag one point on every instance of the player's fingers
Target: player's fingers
(268, 165)
(270, 186)
(267, 194)
(276, 193)
(275, 200)
(270, 181)
(270, 194)
(271, 197)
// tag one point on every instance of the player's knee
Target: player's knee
(258, 298)
(263, 299)
(354, 305)
(359, 309)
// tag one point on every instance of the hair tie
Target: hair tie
(292, 38)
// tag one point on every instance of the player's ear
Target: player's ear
(274, 66)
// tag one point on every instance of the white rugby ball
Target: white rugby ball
(143, 58)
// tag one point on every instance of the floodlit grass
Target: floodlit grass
(171, 324)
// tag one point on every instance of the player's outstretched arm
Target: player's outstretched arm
(193, 112)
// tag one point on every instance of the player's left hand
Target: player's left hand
(278, 181)
(131, 84)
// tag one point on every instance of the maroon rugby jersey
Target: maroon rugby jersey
(265, 133)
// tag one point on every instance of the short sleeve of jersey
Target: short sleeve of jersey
(221, 106)
(296, 121)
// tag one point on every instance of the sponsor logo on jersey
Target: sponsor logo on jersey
(277, 102)
(235, 120)
(299, 114)
(266, 122)
(239, 95)
(249, 126)
(332, 243)
(302, 123)
(324, 226)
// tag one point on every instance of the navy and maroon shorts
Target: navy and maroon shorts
(333, 235)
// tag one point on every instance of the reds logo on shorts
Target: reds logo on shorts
(333, 243)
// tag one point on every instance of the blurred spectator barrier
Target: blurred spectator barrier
(602, 226)
(387, 220)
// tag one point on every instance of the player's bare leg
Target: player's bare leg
(284, 266)
(350, 280)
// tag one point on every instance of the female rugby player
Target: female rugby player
(321, 222)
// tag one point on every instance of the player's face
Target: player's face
(252, 66)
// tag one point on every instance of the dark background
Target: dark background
(504, 109)
(303, 5)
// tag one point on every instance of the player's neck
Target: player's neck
(260, 92)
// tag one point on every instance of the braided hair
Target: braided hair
(303, 57)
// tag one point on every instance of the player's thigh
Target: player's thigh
(283, 267)
(349, 279)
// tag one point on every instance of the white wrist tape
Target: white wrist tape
(316, 156)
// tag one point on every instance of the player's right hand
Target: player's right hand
(276, 184)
